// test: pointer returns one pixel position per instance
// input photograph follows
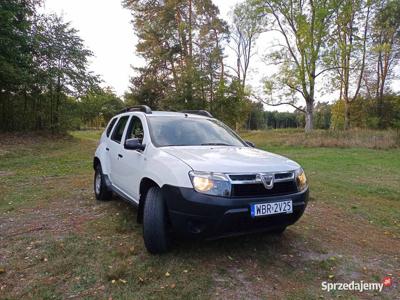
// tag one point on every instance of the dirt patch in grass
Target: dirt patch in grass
(344, 231)
(5, 173)
(56, 219)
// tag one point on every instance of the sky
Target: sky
(106, 28)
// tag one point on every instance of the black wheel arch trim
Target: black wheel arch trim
(145, 184)
(96, 161)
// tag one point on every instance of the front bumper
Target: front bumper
(193, 214)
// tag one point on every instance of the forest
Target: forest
(333, 65)
(345, 48)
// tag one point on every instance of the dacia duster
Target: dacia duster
(192, 176)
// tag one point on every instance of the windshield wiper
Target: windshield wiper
(215, 144)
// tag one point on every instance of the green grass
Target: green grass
(39, 170)
(57, 242)
(361, 181)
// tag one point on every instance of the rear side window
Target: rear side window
(110, 126)
(119, 129)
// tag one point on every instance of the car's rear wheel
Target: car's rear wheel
(155, 222)
(100, 188)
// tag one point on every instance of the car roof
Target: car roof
(165, 114)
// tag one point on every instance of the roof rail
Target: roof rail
(201, 112)
(142, 108)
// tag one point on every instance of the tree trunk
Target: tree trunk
(51, 108)
(11, 113)
(384, 73)
(174, 75)
(3, 111)
(309, 116)
(57, 108)
(26, 123)
(346, 115)
(190, 31)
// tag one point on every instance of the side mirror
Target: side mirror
(250, 144)
(134, 144)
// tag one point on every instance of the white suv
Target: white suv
(191, 175)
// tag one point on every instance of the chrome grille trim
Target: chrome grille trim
(257, 179)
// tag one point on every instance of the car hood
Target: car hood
(227, 159)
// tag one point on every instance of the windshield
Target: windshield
(186, 131)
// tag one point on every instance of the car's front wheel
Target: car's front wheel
(155, 222)
(100, 188)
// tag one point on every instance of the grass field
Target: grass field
(57, 242)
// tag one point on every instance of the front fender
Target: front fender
(164, 168)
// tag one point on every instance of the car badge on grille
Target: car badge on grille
(267, 180)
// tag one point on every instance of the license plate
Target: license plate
(271, 208)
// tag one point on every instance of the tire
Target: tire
(155, 223)
(279, 230)
(99, 185)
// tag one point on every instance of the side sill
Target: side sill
(124, 196)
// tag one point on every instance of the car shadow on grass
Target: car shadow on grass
(265, 242)
(239, 244)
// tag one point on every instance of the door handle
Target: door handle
(108, 149)
(120, 155)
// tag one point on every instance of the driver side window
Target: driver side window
(119, 129)
(135, 129)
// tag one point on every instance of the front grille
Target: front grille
(286, 175)
(255, 178)
(238, 177)
(257, 189)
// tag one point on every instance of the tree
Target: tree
(348, 46)
(275, 119)
(98, 106)
(213, 31)
(181, 42)
(337, 119)
(43, 62)
(256, 119)
(61, 61)
(233, 105)
(246, 28)
(322, 115)
(147, 88)
(386, 46)
(15, 56)
(303, 26)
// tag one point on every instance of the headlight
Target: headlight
(301, 180)
(216, 184)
